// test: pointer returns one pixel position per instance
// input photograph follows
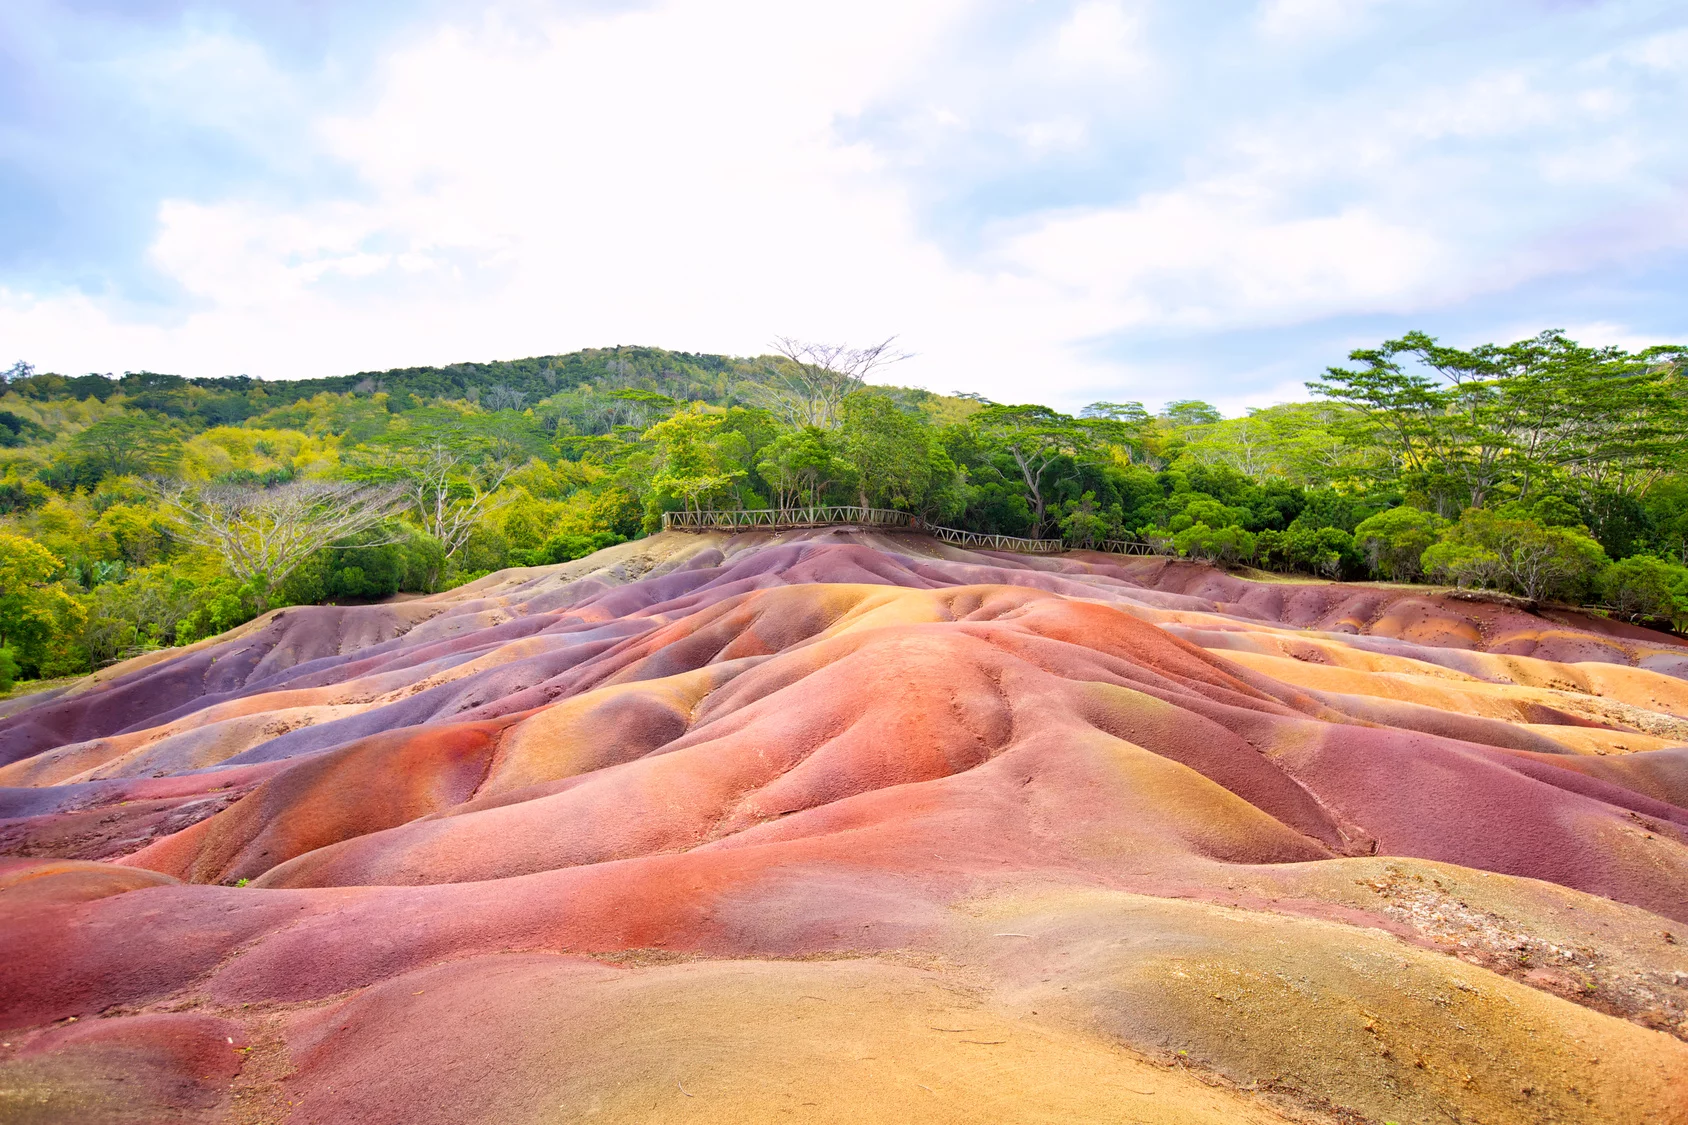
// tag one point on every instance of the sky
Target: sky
(1055, 202)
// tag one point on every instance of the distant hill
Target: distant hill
(497, 384)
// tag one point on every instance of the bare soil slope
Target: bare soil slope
(843, 827)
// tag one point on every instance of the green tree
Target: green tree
(1322, 550)
(1666, 512)
(1471, 426)
(133, 533)
(1039, 440)
(802, 465)
(1130, 414)
(451, 464)
(264, 534)
(1463, 564)
(1644, 586)
(1298, 442)
(1394, 541)
(1388, 408)
(1125, 426)
(38, 618)
(143, 611)
(1220, 545)
(1187, 412)
(1086, 524)
(127, 445)
(1536, 560)
(1196, 507)
(692, 463)
(897, 461)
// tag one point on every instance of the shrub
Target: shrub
(1216, 545)
(1536, 560)
(566, 548)
(1462, 564)
(1394, 542)
(1205, 509)
(1644, 586)
(223, 603)
(1322, 550)
(366, 567)
(39, 619)
(1085, 524)
(143, 611)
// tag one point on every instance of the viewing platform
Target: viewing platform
(796, 519)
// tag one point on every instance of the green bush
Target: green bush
(1463, 564)
(143, 611)
(1321, 550)
(1200, 509)
(386, 561)
(1215, 545)
(566, 548)
(1524, 555)
(1394, 542)
(1644, 586)
(223, 603)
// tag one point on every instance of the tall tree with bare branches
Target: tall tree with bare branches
(450, 465)
(809, 386)
(448, 488)
(263, 534)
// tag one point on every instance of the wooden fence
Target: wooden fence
(995, 542)
(1133, 547)
(792, 519)
(786, 519)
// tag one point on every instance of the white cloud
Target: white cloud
(1100, 34)
(1597, 334)
(1667, 51)
(1203, 259)
(1055, 133)
(1490, 105)
(671, 178)
(1284, 20)
(696, 175)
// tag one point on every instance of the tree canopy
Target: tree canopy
(149, 509)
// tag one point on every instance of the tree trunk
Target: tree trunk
(1031, 487)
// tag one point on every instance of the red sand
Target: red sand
(679, 787)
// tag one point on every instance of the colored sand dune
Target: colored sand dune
(856, 827)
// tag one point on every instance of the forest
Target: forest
(151, 510)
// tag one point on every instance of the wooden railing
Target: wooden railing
(776, 519)
(791, 519)
(1133, 547)
(995, 542)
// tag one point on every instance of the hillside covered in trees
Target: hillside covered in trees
(152, 510)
